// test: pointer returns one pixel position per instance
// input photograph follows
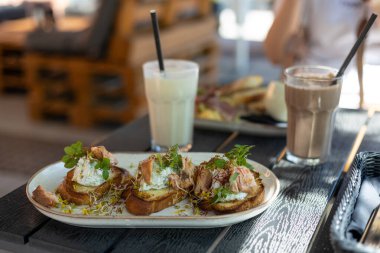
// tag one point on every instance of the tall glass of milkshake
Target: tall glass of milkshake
(312, 96)
(171, 96)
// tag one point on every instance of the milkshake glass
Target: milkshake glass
(171, 96)
(312, 95)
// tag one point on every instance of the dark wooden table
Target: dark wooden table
(297, 221)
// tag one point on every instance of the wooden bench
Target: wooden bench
(12, 47)
(187, 30)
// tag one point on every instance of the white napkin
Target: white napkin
(368, 200)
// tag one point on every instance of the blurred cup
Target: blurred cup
(312, 96)
(38, 15)
(171, 96)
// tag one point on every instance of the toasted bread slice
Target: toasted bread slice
(257, 107)
(145, 203)
(82, 195)
(72, 196)
(255, 198)
(209, 114)
(249, 82)
(240, 205)
(248, 96)
(82, 188)
(154, 195)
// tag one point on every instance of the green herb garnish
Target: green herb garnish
(104, 165)
(76, 151)
(174, 159)
(171, 159)
(220, 194)
(216, 162)
(160, 161)
(72, 154)
(233, 177)
(238, 155)
(219, 163)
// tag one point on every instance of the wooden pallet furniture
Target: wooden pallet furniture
(11, 67)
(188, 32)
(12, 47)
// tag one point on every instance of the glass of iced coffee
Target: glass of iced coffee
(312, 96)
(171, 96)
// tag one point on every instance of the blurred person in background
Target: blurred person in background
(322, 32)
(316, 31)
(59, 7)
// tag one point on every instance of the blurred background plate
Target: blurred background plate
(243, 127)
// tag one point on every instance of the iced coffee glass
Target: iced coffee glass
(312, 96)
(171, 95)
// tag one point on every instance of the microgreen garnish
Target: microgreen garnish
(238, 155)
(76, 151)
(104, 165)
(72, 154)
(160, 161)
(220, 163)
(171, 159)
(216, 162)
(174, 159)
(220, 194)
(233, 177)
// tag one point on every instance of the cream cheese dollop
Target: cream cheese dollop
(159, 179)
(86, 174)
(234, 196)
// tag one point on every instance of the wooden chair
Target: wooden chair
(131, 44)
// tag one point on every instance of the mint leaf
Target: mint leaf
(71, 163)
(77, 147)
(216, 162)
(220, 163)
(249, 166)
(76, 151)
(104, 165)
(69, 150)
(66, 158)
(72, 154)
(105, 174)
(220, 194)
(233, 177)
(238, 155)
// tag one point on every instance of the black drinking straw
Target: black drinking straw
(357, 44)
(156, 31)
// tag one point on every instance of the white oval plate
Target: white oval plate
(52, 175)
